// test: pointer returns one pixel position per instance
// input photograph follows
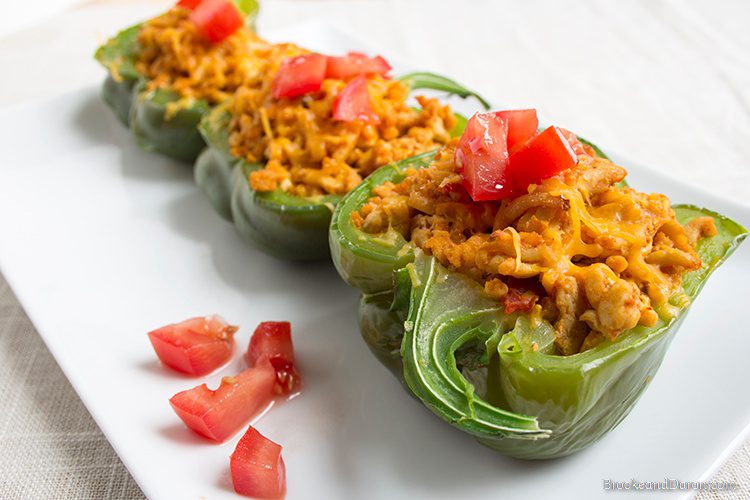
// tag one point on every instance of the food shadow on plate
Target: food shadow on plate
(154, 367)
(224, 481)
(97, 122)
(178, 433)
(98, 125)
(422, 450)
(242, 266)
(192, 216)
(139, 165)
(372, 423)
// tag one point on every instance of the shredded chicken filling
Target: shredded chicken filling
(593, 258)
(308, 153)
(174, 56)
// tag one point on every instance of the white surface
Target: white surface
(24, 14)
(102, 242)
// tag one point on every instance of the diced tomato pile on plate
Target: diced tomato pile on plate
(501, 153)
(199, 346)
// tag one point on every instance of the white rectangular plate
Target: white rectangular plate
(102, 242)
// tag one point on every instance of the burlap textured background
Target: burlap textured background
(50, 447)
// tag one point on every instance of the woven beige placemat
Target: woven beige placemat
(50, 446)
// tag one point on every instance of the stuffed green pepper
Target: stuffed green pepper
(167, 72)
(517, 287)
(282, 154)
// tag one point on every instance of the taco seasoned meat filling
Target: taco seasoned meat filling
(290, 144)
(326, 140)
(174, 55)
(578, 249)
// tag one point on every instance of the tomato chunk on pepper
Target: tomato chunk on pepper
(299, 75)
(353, 102)
(216, 20)
(573, 141)
(257, 467)
(221, 413)
(354, 64)
(541, 157)
(273, 340)
(482, 156)
(196, 346)
(522, 125)
(500, 154)
(188, 4)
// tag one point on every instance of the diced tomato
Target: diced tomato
(489, 172)
(572, 139)
(216, 19)
(522, 125)
(219, 414)
(482, 157)
(518, 300)
(273, 340)
(354, 64)
(541, 157)
(353, 102)
(257, 467)
(188, 4)
(196, 346)
(299, 75)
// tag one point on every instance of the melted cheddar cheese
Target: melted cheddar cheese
(308, 153)
(173, 56)
(597, 258)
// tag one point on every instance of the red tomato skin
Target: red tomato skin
(353, 102)
(573, 141)
(216, 19)
(257, 467)
(188, 4)
(482, 157)
(220, 414)
(545, 155)
(518, 300)
(273, 340)
(522, 126)
(299, 75)
(196, 346)
(355, 64)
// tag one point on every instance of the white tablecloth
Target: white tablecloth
(666, 81)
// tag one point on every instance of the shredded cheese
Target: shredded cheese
(594, 258)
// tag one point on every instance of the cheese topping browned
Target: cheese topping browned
(308, 153)
(594, 258)
(174, 56)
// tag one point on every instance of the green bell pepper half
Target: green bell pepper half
(473, 365)
(282, 225)
(145, 112)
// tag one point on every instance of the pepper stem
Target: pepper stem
(424, 80)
